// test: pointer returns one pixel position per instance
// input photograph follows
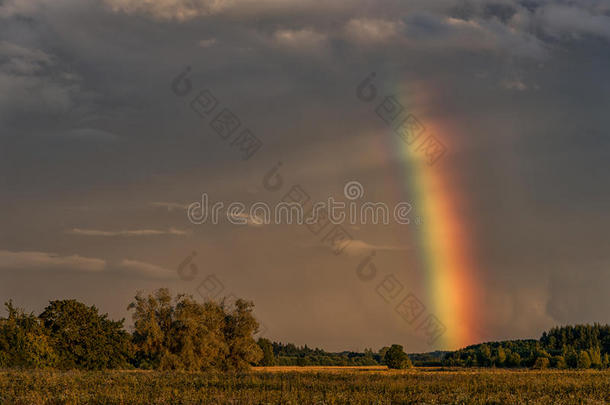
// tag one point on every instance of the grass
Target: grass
(307, 385)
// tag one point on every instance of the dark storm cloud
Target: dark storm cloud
(92, 137)
(574, 291)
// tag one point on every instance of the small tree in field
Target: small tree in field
(396, 358)
(584, 361)
(541, 363)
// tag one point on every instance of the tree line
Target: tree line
(580, 346)
(179, 333)
(170, 333)
(280, 354)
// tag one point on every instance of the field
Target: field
(307, 385)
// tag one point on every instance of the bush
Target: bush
(541, 363)
(583, 360)
(396, 358)
(82, 338)
(23, 342)
(559, 362)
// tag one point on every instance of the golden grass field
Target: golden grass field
(316, 369)
(308, 385)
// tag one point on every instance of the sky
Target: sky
(106, 139)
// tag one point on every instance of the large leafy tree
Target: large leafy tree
(152, 322)
(240, 326)
(396, 358)
(183, 334)
(195, 340)
(23, 342)
(82, 338)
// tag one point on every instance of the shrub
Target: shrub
(541, 363)
(583, 360)
(396, 358)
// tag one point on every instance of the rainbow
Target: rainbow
(445, 251)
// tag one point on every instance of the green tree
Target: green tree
(240, 326)
(396, 358)
(23, 341)
(583, 360)
(268, 358)
(182, 334)
(82, 338)
(382, 353)
(484, 355)
(195, 340)
(152, 322)
(500, 357)
(541, 363)
(596, 357)
(178, 334)
(559, 362)
(368, 358)
(514, 360)
(571, 358)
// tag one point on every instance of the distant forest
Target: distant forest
(179, 333)
(580, 346)
(280, 354)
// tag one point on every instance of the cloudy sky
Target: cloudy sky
(102, 148)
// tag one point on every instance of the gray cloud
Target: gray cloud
(30, 260)
(11, 8)
(91, 134)
(562, 20)
(360, 247)
(170, 206)
(573, 294)
(132, 232)
(146, 269)
(31, 84)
